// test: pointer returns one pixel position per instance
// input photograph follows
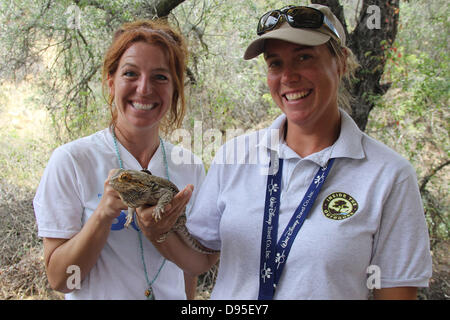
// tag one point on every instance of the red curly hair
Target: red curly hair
(152, 32)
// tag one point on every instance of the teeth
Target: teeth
(296, 95)
(141, 106)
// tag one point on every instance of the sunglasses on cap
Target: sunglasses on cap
(296, 17)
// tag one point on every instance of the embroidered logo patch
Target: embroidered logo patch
(339, 206)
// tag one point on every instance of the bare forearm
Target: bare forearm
(398, 293)
(82, 251)
(84, 248)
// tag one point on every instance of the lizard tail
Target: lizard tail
(192, 242)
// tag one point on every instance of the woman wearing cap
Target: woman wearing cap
(89, 254)
(311, 207)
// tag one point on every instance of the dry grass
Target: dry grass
(22, 272)
(27, 279)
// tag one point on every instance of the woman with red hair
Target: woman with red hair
(88, 252)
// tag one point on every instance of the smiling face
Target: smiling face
(303, 82)
(142, 86)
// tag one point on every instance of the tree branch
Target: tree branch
(427, 178)
(160, 8)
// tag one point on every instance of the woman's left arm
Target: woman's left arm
(401, 244)
(398, 293)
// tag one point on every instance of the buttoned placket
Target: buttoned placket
(294, 164)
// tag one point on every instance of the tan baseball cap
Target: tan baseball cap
(306, 36)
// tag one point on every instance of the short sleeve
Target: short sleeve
(57, 204)
(203, 222)
(401, 247)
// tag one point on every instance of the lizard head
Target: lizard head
(124, 180)
(131, 186)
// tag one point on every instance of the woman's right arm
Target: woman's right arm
(173, 248)
(84, 248)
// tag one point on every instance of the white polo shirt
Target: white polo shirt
(69, 192)
(368, 213)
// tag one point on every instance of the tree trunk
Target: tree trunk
(369, 42)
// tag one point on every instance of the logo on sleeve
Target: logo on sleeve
(339, 206)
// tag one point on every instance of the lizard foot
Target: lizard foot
(129, 217)
(157, 212)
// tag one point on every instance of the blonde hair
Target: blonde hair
(152, 32)
(348, 61)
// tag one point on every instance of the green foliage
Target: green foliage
(60, 46)
(413, 117)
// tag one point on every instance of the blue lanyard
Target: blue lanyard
(274, 255)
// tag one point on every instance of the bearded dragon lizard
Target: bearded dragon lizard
(138, 188)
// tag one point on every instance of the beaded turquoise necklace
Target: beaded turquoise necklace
(149, 294)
